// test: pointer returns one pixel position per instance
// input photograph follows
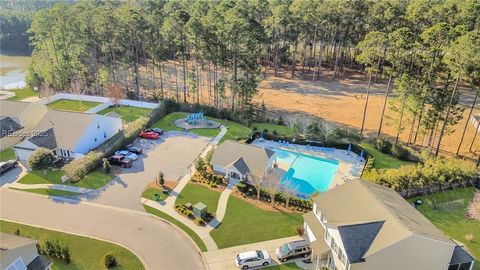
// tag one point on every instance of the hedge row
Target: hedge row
(79, 167)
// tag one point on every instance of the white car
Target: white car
(127, 154)
(253, 258)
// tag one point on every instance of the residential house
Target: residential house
(360, 225)
(17, 120)
(68, 134)
(240, 161)
(20, 253)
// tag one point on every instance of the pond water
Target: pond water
(13, 70)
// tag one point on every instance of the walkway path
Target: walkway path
(49, 186)
(224, 259)
(167, 206)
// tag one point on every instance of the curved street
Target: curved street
(157, 243)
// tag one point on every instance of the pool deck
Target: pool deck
(350, 164)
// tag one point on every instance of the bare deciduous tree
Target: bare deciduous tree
(257, 183)
(271, 182)
(45, 91)
(289, 191)
(115, 93)
(327, 129)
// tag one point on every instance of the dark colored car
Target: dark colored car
(121, 161)
(135, 149)
(159, 131)
(149, 135)
(293, 249)
(8, 165)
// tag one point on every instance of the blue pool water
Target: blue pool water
(308, 173)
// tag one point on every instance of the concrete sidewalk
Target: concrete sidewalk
(49, 186)
(224, 259)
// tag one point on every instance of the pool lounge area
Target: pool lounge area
(311, 169)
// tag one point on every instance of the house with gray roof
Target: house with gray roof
(361, 225)
(20, 253)
(68, 134)
(17, 119)
(240, 161)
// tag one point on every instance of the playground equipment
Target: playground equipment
(193, 118)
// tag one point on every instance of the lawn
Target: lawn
(167, 122)
(446, 210)
(93, 180)
(49, 192)
(382, 160)
(194, 193)
(87, 253)
(150, 191)
(235, 130)
(72, 105)
(7, 154)
(245, 223)
(23, 93)
(127, 113)
(281, 130)
(179, 224)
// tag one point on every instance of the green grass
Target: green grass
(127, 113)
(446, 210)
(149, 192)
(93, 180)
(72, 105)
(7, 154)
(179, 224)
(167, 122)
(23, 93)
(87, 253)
(382, 160)
(194, 193)
(235, 130)
(287, 266)
(281, 130)
(206, 132)
(49, 192)
(245, 223)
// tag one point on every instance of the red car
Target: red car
(149, 135)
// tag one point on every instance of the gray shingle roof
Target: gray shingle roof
(40, 263)
(45, 139)
(12, 108)
(357, 239)
(248, 158)
(460, 255)
(8, 125)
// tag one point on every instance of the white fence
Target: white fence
(106, 102)
(475, 120)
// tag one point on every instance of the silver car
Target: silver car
(253, 258)
(127, 154)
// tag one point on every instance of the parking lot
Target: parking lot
(172, 154)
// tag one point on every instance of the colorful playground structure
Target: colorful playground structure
(193, 118)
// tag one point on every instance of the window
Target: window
(104, 134)
(68, 153)
(333, 245)
(95, 139)
(327, 235)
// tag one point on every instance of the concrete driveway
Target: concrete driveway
(172, 154)
(13, 175)
(159, 244)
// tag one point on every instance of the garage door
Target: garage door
(22, 154)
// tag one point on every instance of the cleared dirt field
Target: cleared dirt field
(340, 100)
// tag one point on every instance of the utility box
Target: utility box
(199, 210)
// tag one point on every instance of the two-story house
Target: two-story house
(360, 225)
(20, 253)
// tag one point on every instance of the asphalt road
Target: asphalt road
(159, 244)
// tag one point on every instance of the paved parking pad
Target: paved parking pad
(224, 259)
(172, 154)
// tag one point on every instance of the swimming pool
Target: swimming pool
(308, 173)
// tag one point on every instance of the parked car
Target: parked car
(293, 249)
(8, 165)
(149, 135)
(253, 258)
(127, 154)
(135, 149)
(159, 131)
(121, 161)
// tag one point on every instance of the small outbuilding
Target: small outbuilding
(199, 210)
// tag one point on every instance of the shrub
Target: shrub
(265, 131)
(161, 178)
(242, 187)
(274, 132)
(56, 250)
(383, 145)
(110, 261)
(106, 165)
(300, 230)
(41, 159)
(370, 163)
(400, 152)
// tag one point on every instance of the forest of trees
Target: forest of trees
(424, 49)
